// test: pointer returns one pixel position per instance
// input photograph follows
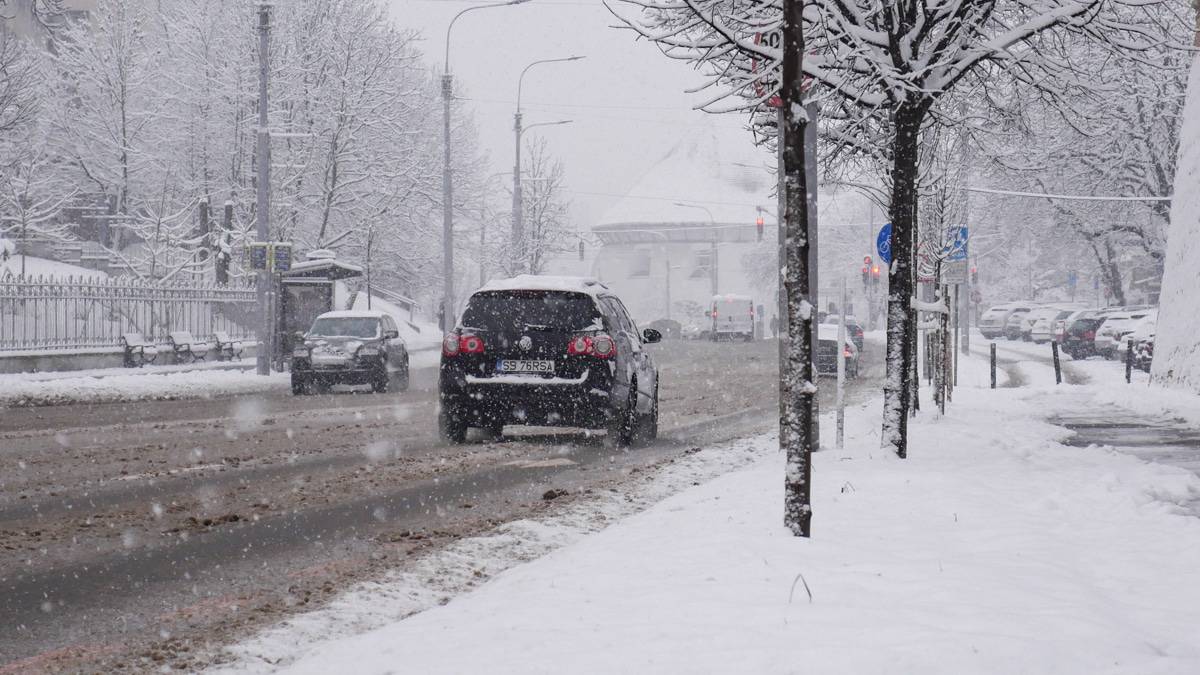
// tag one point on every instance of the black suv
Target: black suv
(548, 351)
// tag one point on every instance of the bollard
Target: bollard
(1129, 362)
(1057, 367)
(993, 365)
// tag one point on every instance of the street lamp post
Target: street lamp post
(713, 272)
(518, 215)
(447, 181)
(518, 226)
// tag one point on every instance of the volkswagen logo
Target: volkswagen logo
(525, 343)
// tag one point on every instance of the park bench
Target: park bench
(138, 350)
(227, 348)
(184, 345)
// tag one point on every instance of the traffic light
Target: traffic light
(875, 275)
(866, 276)
(581, 249)
(974, 275)
(759, 224)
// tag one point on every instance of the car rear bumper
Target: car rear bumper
(506, 399)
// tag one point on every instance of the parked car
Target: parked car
(670, 329)
(1116, 325)
(1079, 334)
(1012, 325)
(1041, 323)
(828, 352)
(994, 320)
(1142, 337)
(350, 347)
(732, 318)
(548, 351)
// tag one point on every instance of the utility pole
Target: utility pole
(800, 392)
(223, 244)
(263, 188)
(518, 205)
(841, 372)
(447, 202)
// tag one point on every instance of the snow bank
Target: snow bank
(1177, 345)
(23, 390)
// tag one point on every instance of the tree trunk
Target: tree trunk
(798, 390)
(900, 338)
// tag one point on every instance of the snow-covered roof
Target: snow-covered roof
(535, 282)
(353, 314)
(325, 267)
(723, 177)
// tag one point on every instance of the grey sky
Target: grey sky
(626, 99)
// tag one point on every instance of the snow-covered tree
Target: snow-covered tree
(545, 208)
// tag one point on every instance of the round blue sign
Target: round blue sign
(883, 244)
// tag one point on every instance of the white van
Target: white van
(732, 317)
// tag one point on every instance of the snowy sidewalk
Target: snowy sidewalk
(113, 385)
(994, 548)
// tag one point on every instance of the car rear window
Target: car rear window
(518, 311)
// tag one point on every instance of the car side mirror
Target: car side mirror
(391, 334)
(651, 336)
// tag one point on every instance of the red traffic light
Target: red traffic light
(759, 224)
(875, 270)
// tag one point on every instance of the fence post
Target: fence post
(1129, 362)
(993, 362)
(1057, 366)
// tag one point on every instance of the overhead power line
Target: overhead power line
(1084, 198)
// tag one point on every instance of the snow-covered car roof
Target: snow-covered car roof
(829, 331)
(538, 282)
(353, 314)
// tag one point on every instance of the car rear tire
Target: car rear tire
(452, 427)
(647, 430)
(622, 423)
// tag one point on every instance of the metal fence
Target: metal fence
(59, 314)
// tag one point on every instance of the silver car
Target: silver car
(351, 347)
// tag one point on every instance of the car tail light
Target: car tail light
(1089, 335)
(847, 352)
(471, 344)
(579, 346)
(601, 346)
(455, 344)
(450, 345)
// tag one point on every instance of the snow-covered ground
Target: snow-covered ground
(117, 385)
(48, 269)
(993, 548)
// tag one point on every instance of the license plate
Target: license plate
(523, 366)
